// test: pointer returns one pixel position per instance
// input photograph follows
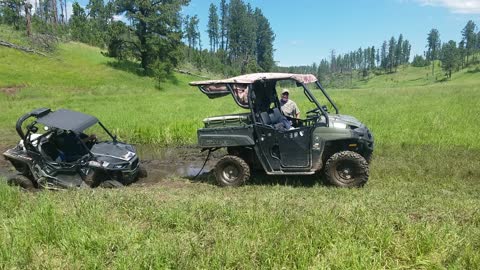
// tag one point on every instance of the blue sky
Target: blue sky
(307, 30)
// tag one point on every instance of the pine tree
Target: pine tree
(213, 27)
(333, 61)
(462, 53)
(224, 24)
(450, 57)
(384, 56)
(157, 28)
(391, 53)
(78, 23)
(399, 52)
(406, 48)
(264, 42)
(470, 38)
(372, 57)
(433, 45)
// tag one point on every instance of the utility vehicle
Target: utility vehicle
(54, 153)
(339, 146)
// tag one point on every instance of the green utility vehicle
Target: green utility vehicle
(339, 146)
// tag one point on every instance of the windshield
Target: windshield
(322, 97)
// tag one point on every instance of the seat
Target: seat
(265, 118)
(275, 116)
(49, 151)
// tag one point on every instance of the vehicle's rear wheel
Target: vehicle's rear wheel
(231, 171)
(346, 169)
(21, 181)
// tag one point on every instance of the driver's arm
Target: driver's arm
(297, 111)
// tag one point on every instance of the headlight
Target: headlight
(94, 164)
(98, 164)
(120, 166)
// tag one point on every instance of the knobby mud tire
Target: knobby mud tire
(231, 171)
(21, 181)
(346, 169)
(142, 172)
(111, 184)
(102, 180)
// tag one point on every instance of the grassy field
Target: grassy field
(420, 209)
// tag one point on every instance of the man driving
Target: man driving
(288, 106)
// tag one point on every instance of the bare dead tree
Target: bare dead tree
(55, 11)
(28, 17)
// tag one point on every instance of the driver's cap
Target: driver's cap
(285, 91)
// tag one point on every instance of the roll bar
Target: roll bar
(35, 113)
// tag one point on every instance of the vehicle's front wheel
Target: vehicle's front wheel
(111, 184)
(346, 169)
(21, 181)
(142, 172)
(231, 171)
(101, 179)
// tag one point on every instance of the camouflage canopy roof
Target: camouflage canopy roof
(251, 78)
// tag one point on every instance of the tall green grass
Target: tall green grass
(397, 221)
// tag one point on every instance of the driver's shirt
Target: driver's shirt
(289, 108)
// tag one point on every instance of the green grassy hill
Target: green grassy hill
(407, 76)
(419, 210)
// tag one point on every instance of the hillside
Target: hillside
(407, 76)
(420, 208)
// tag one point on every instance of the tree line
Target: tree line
(451, 56)
(240, 39)
(340, 69)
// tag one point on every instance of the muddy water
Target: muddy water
(185, 162)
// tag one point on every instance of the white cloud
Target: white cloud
(455, 6)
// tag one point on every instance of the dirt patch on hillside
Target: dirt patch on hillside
(11, 90)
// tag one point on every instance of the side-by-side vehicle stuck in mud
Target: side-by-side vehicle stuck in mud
(338, 146)
(55, 153)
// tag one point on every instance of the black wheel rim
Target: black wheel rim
(346, 171)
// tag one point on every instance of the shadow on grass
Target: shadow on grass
(476, 70)
(127, 66)
(136, 69)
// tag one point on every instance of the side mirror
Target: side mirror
(114, 138)
(324, 107)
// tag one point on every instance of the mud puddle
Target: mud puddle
(183, 162)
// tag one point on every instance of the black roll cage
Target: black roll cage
(42, 112)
